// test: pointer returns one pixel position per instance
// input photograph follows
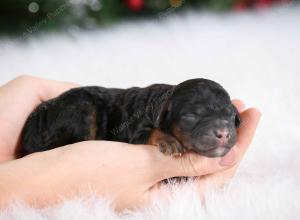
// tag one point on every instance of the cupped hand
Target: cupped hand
(128, 174)
(245, 133)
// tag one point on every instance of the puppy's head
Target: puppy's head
(199, 113)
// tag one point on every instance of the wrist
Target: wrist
(31, 179)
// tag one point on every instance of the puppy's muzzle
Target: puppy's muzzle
(215, 139)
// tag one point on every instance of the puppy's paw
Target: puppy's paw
(170, 146)
(167, 144)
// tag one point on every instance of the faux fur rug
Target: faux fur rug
(255, 56)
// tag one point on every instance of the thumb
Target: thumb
(192, 164)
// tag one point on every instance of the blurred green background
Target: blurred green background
(27, 16)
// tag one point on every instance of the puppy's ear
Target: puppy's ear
(163, 114)
(237, 117)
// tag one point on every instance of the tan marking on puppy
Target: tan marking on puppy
(155, 135)
(182, 138)
(93, 128)
(167, 144)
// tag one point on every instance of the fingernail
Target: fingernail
(228, 159)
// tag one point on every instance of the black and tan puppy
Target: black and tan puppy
(195, 115)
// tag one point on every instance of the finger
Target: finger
(249, 122)
(35, 89)
(49, 89)
(217, 179)
(239, 104)
(192, 164)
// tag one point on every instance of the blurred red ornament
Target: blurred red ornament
(263, 3)
(135, 5)
(240, 6)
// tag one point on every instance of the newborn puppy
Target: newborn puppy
(196, 115)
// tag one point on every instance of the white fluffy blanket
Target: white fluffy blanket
(256, 56)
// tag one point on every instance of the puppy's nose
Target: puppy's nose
(222, 135)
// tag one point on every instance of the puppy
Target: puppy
(196, 115)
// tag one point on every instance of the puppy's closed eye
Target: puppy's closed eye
(189, 119)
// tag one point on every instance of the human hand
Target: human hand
(129, 174)
(100, 165)
(245, 133)
(135, 172)
(18, 98)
